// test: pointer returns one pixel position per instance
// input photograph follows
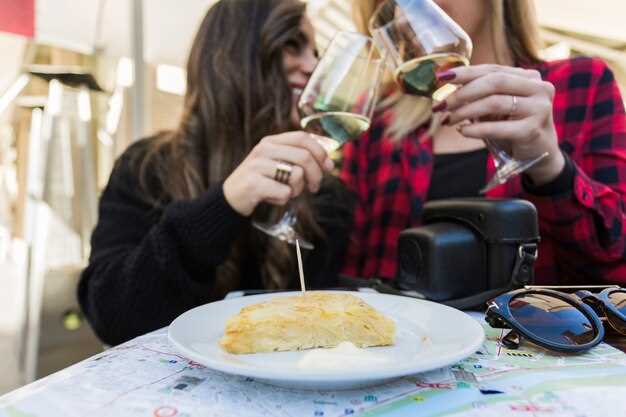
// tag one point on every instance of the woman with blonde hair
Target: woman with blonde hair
(572, 109)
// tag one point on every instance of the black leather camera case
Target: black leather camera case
(468, 247)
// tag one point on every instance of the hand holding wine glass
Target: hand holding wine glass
(512, 105)
(255, 181)
(337, 103)
(424, 45)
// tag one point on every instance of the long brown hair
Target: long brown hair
(237, 93)
(516, 34)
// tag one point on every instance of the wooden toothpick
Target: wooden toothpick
(302, 286)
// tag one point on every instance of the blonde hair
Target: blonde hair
(515, 35)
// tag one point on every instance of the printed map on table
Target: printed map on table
(145, 377)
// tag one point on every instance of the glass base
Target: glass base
(284, 231)
(508, 170)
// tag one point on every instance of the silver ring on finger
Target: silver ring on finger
(283, 172)
(513, 107)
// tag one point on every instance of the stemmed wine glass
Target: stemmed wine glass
(336, 104)
(339, 99)
(421, 40)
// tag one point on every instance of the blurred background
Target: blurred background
(79, 80)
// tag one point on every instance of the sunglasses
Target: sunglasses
(556, 320)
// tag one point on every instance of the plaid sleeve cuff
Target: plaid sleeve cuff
(562, 184)
(560, 205)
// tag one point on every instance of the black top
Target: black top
(151, 263)
(457, 175)
(464, 174)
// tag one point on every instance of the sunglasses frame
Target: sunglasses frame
(499, 315)
(606, 306)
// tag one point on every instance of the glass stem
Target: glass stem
(289, 217)
(500, 157)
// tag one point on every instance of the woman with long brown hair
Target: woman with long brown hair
(572, 109)
(175, 219)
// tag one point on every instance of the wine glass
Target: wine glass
(337, 104)
(421, 40)
(339, 99)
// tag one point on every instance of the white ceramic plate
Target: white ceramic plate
(429, 336)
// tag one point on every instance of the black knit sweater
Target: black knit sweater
(150, 263)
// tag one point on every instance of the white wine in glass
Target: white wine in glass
(421, 41)
(339, 99)
(338, 127)
(418, 76)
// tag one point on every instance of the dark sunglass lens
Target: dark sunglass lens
(552, 319)
(618, 299)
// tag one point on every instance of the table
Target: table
(146, 377)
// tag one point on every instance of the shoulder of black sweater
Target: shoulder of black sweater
(208, 218)
(127, 171)
(142, 252)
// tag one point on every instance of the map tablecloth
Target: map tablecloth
(146, 377)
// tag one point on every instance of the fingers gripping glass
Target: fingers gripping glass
(337, 104)
(555, 320)
(421, 41)
(285, 228)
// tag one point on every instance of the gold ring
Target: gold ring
(282, 173)
(513, 107)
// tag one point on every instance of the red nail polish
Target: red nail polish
(446, 76)
(440, 107)
(446, 121)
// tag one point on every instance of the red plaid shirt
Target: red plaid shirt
(583, 230)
